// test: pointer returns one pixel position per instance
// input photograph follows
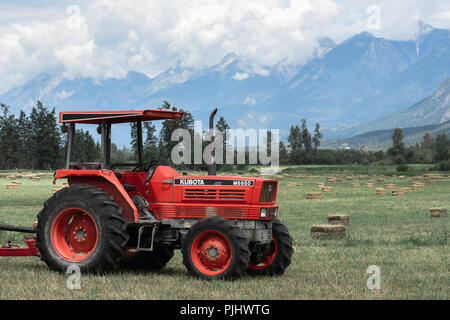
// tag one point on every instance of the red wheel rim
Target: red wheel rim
(211, 253)
(74, 234)
(267, 260)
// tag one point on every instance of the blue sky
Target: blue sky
(105, 38)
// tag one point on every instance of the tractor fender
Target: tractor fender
(105, 180)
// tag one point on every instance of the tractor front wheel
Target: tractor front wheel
(81, 225)
(278, 256)
(215, 249)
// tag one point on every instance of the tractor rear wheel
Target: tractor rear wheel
(81, 225)
(215, 248)
(154, 260)
(278, 257)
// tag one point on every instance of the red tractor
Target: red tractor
(108, 218)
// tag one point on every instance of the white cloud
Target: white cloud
(240, 76)
(249, 100)
(110, 37)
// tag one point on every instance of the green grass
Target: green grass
(394, 233)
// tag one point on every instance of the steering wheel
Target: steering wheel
(145, 166)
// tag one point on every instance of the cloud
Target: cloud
(106, 38)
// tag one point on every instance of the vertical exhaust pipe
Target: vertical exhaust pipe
(212, 168)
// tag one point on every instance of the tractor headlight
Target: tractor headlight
(273, 212)
(263, 213)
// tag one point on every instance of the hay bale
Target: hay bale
(402, 177)
(343, 219)
(405, 190)
(313, 195)
(11, 176)
(396, 193)
(380, 191)
(438, 212)
(356, 185)
(16, 182)
(431, 181)
(291, 184)
(12, 186)
(327, 189)
(370, 184)
(389, 186)
(328, 231)
(35, 178)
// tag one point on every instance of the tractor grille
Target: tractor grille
(213, 194)
(232, 194)
(200, 194)
(267, 192)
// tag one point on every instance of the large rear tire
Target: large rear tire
(279, 256)
(81, 225)
(215, 248)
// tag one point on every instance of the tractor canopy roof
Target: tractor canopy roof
(96, 117)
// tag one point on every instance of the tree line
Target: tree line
(35, 141)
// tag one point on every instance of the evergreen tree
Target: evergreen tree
(222, 126)
(10, 147)
(150, 142)
(295, 138)
(427, 143)
(306, 137)
(166, 144)
(317, 136)
(45, 138)
(441, 147)
(397, 151)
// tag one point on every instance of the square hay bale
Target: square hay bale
(12, 186)
(328, 231)
(370, 184)
(389, 186)
(438, 212)
(396, 193)
(291, 184)
(327, 189)
(431, 181)
(313, 195)
(16, 182)
(343, 219)
(35, 178)
(380, 191)
(405, 190)
(402, 177)
(11, 176)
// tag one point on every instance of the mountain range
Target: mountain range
(431, 114)
(350, 87)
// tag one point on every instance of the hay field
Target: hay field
(395, 233)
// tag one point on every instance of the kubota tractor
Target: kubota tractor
(108, 218)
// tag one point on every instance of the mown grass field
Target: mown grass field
(394, 233)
